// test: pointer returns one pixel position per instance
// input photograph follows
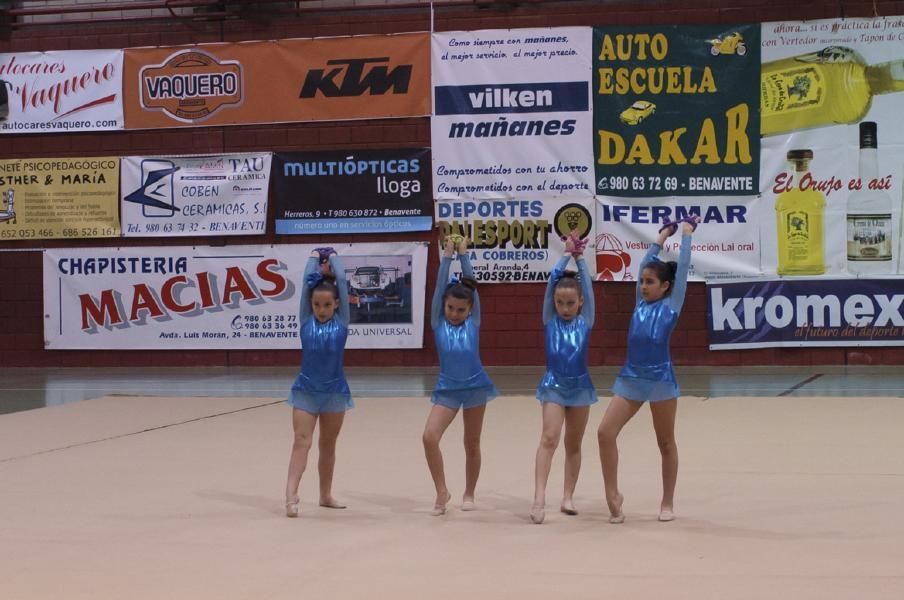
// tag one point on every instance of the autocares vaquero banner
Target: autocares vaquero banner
(676, 110)
(47, 198)
(515, 241)
(222, 194)
(62, 91)
(512, 113)
(355, 191)
(223, 298)
(805, 312)
(361, 77)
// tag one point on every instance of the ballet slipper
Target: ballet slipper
(537, 515)
(468, 505)
(666, 515)
(332, 503)
(292, 508)
(618, 516)
(568, 508)
(439, 507)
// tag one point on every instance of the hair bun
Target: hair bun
(469, 282)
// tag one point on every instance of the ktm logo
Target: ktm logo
(191, 85)
(353, 80)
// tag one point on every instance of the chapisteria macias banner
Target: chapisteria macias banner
(676, 110)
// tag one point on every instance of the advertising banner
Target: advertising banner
(61, 91)
(512, 113)
(47, 198)
(805, 312)
(223, 194)
(356, 191)
(223, 298)
(675, 110)
(515, 241)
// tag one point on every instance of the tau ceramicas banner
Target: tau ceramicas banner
(223, 298)
(676, 110)
(46, 198)
(359, 191)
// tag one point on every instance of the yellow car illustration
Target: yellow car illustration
(637, 112)
(730, 44)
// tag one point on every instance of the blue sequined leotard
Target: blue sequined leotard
(321, 386)
(566, 381)
(648, 374)
(462, 381)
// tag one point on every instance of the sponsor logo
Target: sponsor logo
(191, 86)
(612, 262)
(156, 192)
(351, 77)
(573, 217)
(569, 96)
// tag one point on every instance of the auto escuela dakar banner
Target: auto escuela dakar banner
(222, 194)
(354, 191)
(62, 91)
(515, 241)
(223, 298)
(511, 114)
(295, 80)
(805, 312)
(676, 110)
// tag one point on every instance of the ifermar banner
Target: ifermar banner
(223, 298)
(51, 198)
(675, 110)
(512, 114)
(62, 91)
(221, 194)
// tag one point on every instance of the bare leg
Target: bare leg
(330, 424)
(473, 423)
(575, 424)
(303, 426)
(618, 413)
(664, 423)
(553, 418)
(437, 423)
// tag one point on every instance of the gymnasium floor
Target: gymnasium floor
(167, 483)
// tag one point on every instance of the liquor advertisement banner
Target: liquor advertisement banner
(805, 312)
(362, 77)
(223, 298)
(60, 91)
(223, 194)
(675, 110)
(357, 191)
(515, 241)
(47, 198)
(726, 244)
(832, 147)
(512, 113)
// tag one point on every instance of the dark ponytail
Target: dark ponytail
(665, 272)
(463, 289)
(568, 280)
(328, 283)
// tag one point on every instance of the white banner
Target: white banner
(60, 91)
(515, 241)
(726, 244)
(223, 194)
(223, 298)
(512, 113)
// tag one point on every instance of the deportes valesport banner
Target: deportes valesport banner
(675, 110)
(224, 194)
(726, 244)
(515, 241)
(512, 113)
(223, 298)
(60, 91)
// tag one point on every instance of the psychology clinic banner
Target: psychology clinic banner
(512, 113)
(223, 298)
(62, 91)
(361, 77)
(726, 244)
(805, 312)
(52, 198)
(355, 191)
(832, 147)
(224, 194)
(675, 110)
(515, 241)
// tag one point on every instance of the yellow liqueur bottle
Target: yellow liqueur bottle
(834, 85)
(799, 219)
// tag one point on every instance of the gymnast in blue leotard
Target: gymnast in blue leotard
(566, 391)
(320, 392)
(648, 375)
(463, 383)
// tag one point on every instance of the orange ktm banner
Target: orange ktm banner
(325, 79)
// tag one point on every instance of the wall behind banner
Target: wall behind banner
(511, 313)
